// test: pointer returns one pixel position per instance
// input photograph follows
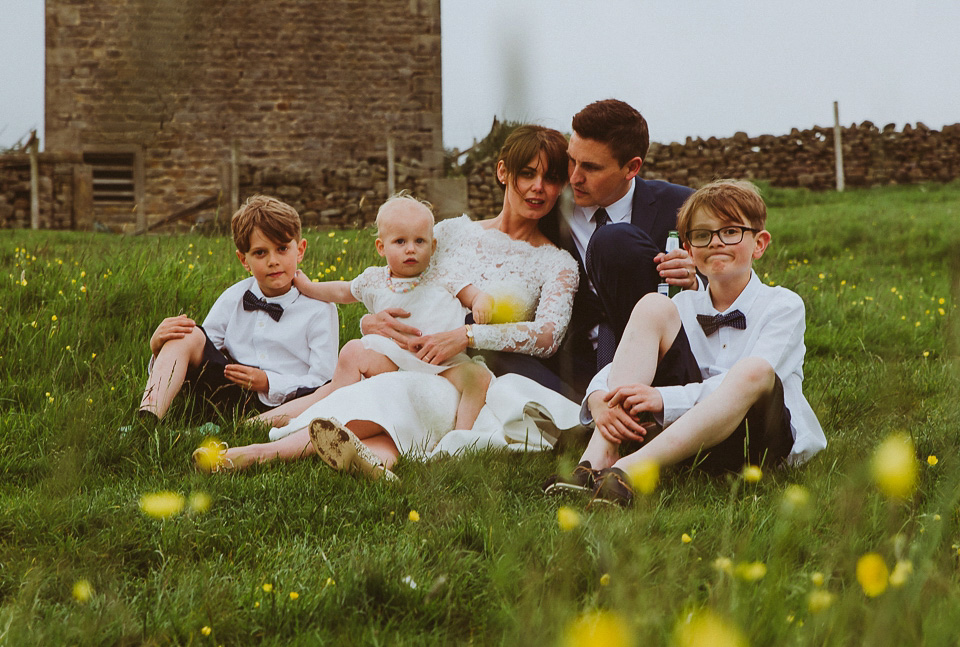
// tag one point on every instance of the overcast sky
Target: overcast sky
(692, 67)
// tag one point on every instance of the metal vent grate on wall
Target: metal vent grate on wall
(113, 177)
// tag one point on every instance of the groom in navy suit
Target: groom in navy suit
(617, 229)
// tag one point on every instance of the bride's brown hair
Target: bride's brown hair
(525, 143)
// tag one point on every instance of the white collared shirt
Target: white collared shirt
(775, 327)
(300, 350)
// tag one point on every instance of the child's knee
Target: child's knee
(756, 374)
(654, 309)
(352, 352)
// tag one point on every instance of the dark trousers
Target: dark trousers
(622, 270)
(763, 437)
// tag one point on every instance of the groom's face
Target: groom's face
(595, 175)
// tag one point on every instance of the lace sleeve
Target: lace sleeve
(542, 336)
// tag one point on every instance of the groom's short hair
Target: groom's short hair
(616, 124)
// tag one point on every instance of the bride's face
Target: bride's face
(530, 194)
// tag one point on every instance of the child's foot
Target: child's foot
(342, 450)
(612, 486)
(144, 422)
(581, 480)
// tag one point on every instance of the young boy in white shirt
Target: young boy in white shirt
(720, 369)
(262, 342)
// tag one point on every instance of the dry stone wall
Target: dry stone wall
(871, 157)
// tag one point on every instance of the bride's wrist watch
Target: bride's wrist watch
(471, 343)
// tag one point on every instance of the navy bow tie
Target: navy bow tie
(711, 324)
(252, 302)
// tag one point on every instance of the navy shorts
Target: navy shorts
(216, 392)
(763, 436)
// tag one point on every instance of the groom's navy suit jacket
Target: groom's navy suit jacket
(654, 212)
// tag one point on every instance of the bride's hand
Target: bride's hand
(387, 323)
(439, 347)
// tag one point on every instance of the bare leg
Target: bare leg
(653, 326)
(472, 381)
(297, 445)
(354, 363)
(170, 370)
(712, 419)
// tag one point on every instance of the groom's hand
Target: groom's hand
(677, 268)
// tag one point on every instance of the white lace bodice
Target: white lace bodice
(540, 280)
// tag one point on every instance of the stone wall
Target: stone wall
(349, 194)
(186, 87)
(871, 157)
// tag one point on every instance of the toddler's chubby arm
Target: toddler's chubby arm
(171, 328)
(479, 302)
(332, 291)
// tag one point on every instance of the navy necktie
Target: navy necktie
(252, 302)
(606, 339)
(712, 323)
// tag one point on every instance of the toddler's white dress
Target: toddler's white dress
(431, 302)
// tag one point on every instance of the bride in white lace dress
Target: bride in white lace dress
(510, 257)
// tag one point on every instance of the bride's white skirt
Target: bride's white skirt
(418, 412)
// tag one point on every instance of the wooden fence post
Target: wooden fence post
(34, 149)
(838, 145)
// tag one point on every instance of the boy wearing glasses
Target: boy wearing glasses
(719, 369)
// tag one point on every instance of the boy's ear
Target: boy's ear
(434, 245)
(243, 261)
(761, 241)
(379, 245)
(301, 248)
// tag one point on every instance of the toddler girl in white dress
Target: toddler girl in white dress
(405, 239)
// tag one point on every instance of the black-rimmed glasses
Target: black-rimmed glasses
(730, 235)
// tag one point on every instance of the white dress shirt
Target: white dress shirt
(582, 222)
(300, 350)
(774, 332)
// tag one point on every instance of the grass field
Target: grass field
(468, 551)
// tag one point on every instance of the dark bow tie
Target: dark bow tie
(710, 323)
(252, 302)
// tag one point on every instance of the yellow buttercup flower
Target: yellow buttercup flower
(161, 505)
(206, 631)
(932, 460)
(598, 628)
(751, 571)
(294, 595)
(872, 574)
(894, 466)
(644, 476)
(685, 538)
(707, 629)
(207, 458)
(752, 473)
(796, 498)
(567, 518)
(414, 516)
(819, 600)
(506, 309)
(901, 573)
(82, 591)
(724, 565)
(817, 578)
(199, 502)
(605, 579)
(267, 587)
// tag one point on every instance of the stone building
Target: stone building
(162, 108)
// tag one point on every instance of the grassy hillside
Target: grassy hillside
(296, 554)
